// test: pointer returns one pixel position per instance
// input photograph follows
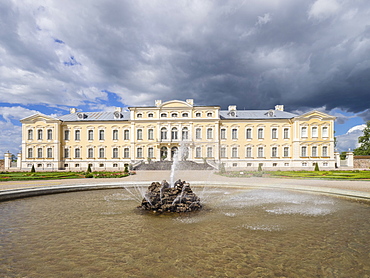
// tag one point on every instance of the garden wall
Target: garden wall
(1, 164)
(361, 161)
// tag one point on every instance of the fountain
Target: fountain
(163, 198)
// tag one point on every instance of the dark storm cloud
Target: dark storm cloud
(256, 54)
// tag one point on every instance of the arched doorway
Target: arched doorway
(164, 153)
(173, 151)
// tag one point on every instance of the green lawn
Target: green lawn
(20, 176)
(337, 175)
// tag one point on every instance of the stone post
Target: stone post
(349, 158)
(337, 159)
(19, 160)
(7, 160)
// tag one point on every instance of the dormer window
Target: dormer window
(209, 114)
(185, 115)
(163, 115)
(174, 115)
(150, 115)
(198, 114)
(139, 115)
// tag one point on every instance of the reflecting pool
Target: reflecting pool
(240, 233)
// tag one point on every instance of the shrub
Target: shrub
(33, 169)
(126, 169)
(89, 175)
(317, 167)
(88, 169)
(260, 167)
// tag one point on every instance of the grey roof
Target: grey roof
(256, 114)
(224, 115)
(95, 116)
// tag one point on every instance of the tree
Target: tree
(88, 169)
(33, 169)
(317, 167)
(364, 140)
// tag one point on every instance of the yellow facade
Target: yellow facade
(238, 139)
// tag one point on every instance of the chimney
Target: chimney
(158, 102)
(118, 109)
(72, 110)
(190, 101)
(279, 107)
(232, 108)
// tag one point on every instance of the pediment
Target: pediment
(38, 117)
(315, 115)
(175, 104)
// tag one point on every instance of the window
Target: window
(101, 134)
(150, 134)
(314, 131)
(185, 133)
(198, 152)
(286, 133)
(90, 135)
(274, 133)
(101, 152)
(209, 133)
(274, 152)
(139, 152)
(50, 134)
(314, 151)
(39, 134)
(209, 152)
(174, 133)
(150, 152)
(304, 151)
(115, 165)
(248, 134)
(115, 134)
(198, 114)
(139, 134)
(49, 152)
(234, 152)
(248, 152)
(198, 133)
(234, 133)
(39, 153)
(90, 153)
(223, 133)
(150, 115)
(325, 164)
(115, 152)
(163, 133)
(101, 165)
(126, 153)
(77, 153)
(325, 132)
(209, 114)
(66, 165)
(185, 115)
(126, 135)
(30, 134)
(286, 164)
(29, 153)
(174, 115)
(260, 133)
(304, 131)
(77, 135)
(163, 115)
(139, 115)
(223, 152)
(274, 164)
(325, 151)
(260, 151)
(66, 135)
(66, 153)
(304, 164)
(286, 151)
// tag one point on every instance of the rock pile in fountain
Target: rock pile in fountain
(164, 198)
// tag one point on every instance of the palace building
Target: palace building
(239, 139)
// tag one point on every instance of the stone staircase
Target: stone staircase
(166, 165)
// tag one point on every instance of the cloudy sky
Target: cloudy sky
(94, 55)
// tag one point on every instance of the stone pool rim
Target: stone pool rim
(25, 192)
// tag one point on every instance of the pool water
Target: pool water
(240, 233)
